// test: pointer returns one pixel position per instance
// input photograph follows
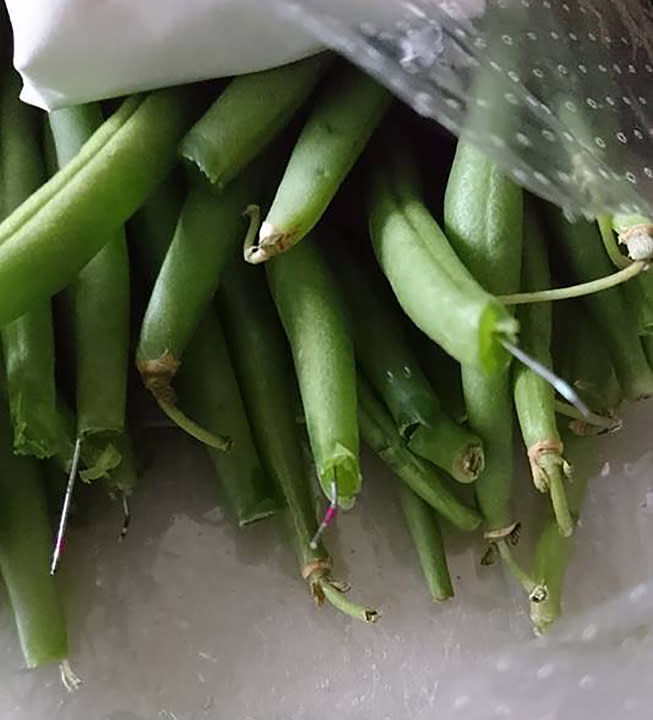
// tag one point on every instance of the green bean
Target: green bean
(208, 385)
(585, 362)
(388, 362)
(46, 241)
(262, 360)
(425, 274)
(534, 396)
(483, 221)
(101, 301)
(553, 550)
(379, 432)
(247, 115)
(25, 546)
(342, 121)
(580, 246)
(314, 320)
(427, 538)
(209, 228)
(28, 341)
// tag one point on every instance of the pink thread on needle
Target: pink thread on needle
(328, 516)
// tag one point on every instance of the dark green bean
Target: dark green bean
(314, 320)
(28, 341)
(341, 123)
(247, 115)
(425, 274)
(388, 362)
(262, 360)
(580, 245)
(534, 396)
(379, 432)
(100, 302)
(444, 375)
(483, 221)
(425, 531)
(152, 227)
(46, 241)
(585, 363)
(25, 547)
(208, 386)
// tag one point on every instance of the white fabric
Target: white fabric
(72, 51)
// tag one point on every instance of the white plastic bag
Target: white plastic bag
(73, 51)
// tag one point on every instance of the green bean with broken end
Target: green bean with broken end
(247, 115)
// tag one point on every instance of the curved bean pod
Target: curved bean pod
(439, 296)
(388, 362)
(341, 123)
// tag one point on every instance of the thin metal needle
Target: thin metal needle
(127, 520)
(328, 516)
(65, 510)
(563, 387)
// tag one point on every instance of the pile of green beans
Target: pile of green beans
(137, 257)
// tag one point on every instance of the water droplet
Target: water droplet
(407, 371)
(544, 671)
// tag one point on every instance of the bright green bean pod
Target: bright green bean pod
(46, 241)
(379, 432)
(534, 396)
(210, 227)
(25, 547)
(427, 538)
(648, 349)
(315, 323)
(483, 212)
(342, 121)
(552, 550)
(247, 115)
(208, 386)
(28, 341)
(580, 245)
(438, 294)
(263, 364)
(388, 362)
(101, 301)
